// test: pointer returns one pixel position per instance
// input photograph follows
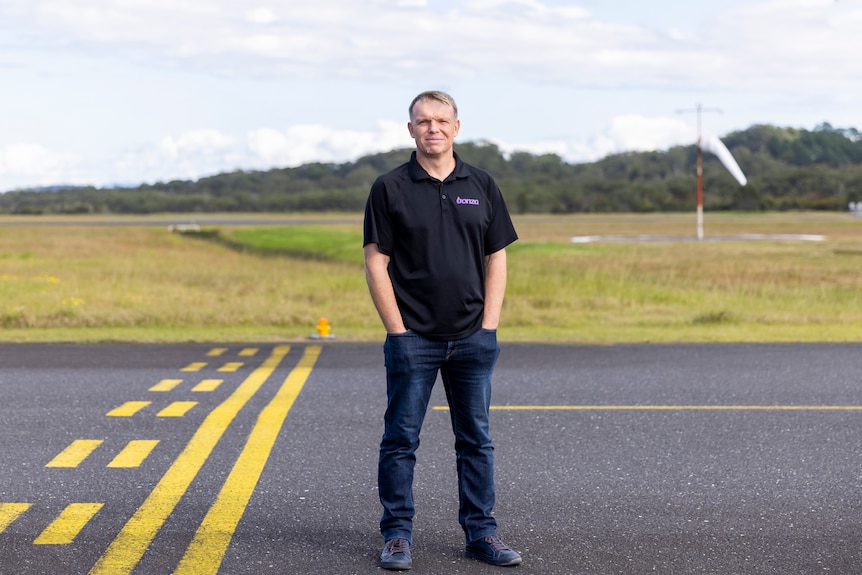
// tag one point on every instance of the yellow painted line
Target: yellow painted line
(208, 385)
(669, 407)
(166, 385)
(77, 452)
(216, 351)
(177, 409)
(64, 529)
(231, 366)
(195, 366)
(127, 548)
(134, 453)
(128, 409)
(9, 512)
(248, 352)
(206, 551)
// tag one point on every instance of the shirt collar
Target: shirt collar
(417, 172)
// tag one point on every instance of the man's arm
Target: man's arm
(495, 288)
(382, 292)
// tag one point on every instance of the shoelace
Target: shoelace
(397, 545)
(496, 543)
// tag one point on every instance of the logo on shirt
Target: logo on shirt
(467, 201)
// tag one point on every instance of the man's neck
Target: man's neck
(437, 166)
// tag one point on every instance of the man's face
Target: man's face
(434, 127)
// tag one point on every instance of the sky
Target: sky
(124, 92)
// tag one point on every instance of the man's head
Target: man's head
(434, 123)
(435, 95)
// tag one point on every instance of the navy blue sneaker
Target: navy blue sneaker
(396, 555)
(493, 551)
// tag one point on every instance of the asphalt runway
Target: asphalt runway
(259, 459)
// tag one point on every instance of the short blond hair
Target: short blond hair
(441, 97)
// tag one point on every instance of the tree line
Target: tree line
(787, 169)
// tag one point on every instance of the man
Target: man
(436, 230)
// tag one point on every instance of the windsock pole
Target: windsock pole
(699, 109)
(699, 182)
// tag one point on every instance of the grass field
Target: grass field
(77, 282)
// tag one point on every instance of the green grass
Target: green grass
(307, 242)
(272, 283)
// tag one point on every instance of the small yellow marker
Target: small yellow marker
(177, 409)
(230, 366)
(166, 385)
(323, 330)
(9, 512)
(77, 452)
(134, 454)
(195, 366)
(208, 385)
(66, 527)
(128, 409)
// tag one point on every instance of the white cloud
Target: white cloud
(637, 133)
(190, 155)
(261, 15)
(530, 39)
(314, 143)
(33, 163)
(168, 63)
(206, 142)
(625, 133)
(199, 153)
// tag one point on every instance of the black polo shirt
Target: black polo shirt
(437, 235)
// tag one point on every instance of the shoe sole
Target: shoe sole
(490, 560)
(396, 565)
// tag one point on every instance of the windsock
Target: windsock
(714, 145)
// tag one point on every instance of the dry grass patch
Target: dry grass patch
(91, 283)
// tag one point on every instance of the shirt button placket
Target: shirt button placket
(444, 205)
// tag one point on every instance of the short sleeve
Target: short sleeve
(378, 224)
(501, 231)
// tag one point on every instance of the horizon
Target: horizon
(406, 149)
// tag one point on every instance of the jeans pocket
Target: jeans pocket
(397, 350)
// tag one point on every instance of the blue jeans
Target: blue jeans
(466, 365)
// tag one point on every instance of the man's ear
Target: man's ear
(410, 129)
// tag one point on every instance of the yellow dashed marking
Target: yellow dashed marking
(64, 529)
(208, 385)
(195, 366)
(216, 351)
(177, 409)
(248, 352)
(231, 366)
(134, 454)
(128, 409)
(130, 544)
(77, 452)
(166, 385)
(9, 512)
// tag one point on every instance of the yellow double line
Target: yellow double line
(205, 553)
(668, 408)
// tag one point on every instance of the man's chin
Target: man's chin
(434, 151)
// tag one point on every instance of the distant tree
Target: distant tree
(787, 168)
